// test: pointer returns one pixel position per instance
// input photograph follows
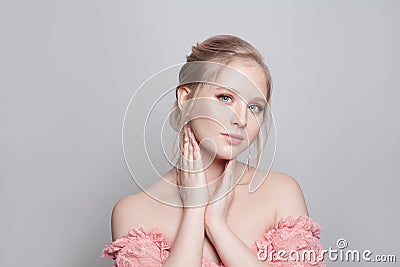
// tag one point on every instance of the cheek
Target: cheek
(210, 112)
(204, 128)
(205, 132)
(252, 132)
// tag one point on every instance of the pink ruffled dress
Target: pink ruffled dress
(295, 236)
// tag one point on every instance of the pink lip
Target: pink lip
(233, 139)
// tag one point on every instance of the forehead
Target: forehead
(253, 71)
(244, 77)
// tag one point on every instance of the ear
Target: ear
(182, 94)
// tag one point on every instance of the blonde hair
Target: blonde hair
(221, 49)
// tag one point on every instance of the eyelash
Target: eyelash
(223, 95)
(258, 107)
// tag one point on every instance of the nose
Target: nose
(239, 116)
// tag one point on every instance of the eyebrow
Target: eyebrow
(237, 93)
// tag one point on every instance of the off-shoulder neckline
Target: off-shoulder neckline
(288, 221)
(291, 218)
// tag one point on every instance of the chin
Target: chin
(228, 154)
(224, 151)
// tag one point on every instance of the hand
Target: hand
(191, 178)
(216, 212)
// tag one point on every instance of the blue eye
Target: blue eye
(255, 108)
(225, 98)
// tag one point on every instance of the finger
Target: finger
(181, 137)
(185, 151)
(181, 167)
(196, 148)
(197, 164)
(190, 147)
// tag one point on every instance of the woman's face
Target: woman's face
(226, 121)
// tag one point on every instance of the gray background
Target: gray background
(69, 68)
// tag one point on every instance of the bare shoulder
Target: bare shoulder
(282, 181)
(125, 213)
(286, 194)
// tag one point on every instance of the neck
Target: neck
(215, 169)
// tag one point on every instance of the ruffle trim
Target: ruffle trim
(137, 243)
(289, 234)
(293, 236)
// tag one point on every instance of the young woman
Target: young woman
(220, 107)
